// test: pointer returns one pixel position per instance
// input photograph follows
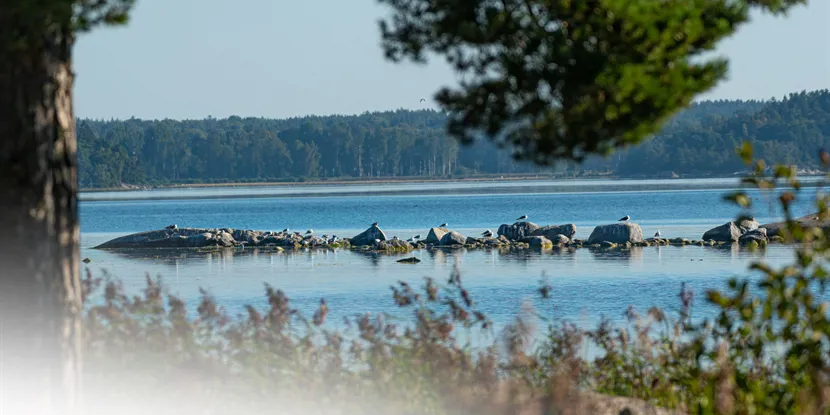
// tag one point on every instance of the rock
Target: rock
(166, 238)
(748, 225)
(398, 243)
(808, 221)
(618, 233)
(560, 240)
(224, 239)
(551, 231)
(270, 240)
(759, 235)
(607, 244)
(537, 241)
(728, 232)
(368, 236)
(471, 241)
(410, 260)
(517, 230)
(452, 238)
(435, 234)
(245, 236)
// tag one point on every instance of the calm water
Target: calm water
(587, 284)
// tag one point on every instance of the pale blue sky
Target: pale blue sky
(277, 58)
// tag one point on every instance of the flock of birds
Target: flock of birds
(487, 233)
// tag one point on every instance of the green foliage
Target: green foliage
(787, 131)
(24, 23)
(562, 79)
(91, 13)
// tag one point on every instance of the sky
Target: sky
(185, 59)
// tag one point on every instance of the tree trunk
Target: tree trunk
(40, 292)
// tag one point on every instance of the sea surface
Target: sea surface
(587, 284)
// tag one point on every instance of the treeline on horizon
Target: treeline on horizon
(699, 141)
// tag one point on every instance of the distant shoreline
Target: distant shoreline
(403, 180)
(380, 180)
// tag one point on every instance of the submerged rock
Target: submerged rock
(552, 232)
(518, 230)
(617, 233)
(368, 236)
(410, 260)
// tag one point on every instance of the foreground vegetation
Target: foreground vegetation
(766, 351)
(414, 144)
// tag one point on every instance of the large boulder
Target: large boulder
(728, 232)
(552, 231)
(808, 221)
(517, 230)
(453, 238)
(368, 237)
(171, 238)
(225, 239)
(435, 234)
(618, 233)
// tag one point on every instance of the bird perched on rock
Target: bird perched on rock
(416, 237)
(172, 227)
(375, 224)
(658, 234)
(285, 230)
(488, 233)
(624, 218)
(523, 217)
(309, 232)
(443, 225)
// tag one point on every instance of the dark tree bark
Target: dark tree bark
(40, 291)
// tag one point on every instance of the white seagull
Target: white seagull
(309, 232)
(523, 217)
(658, 234)
(488, 233)
(375, 224)
(443, 225)
(172, 227)
(624, 218)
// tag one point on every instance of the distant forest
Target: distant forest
(699, 141)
